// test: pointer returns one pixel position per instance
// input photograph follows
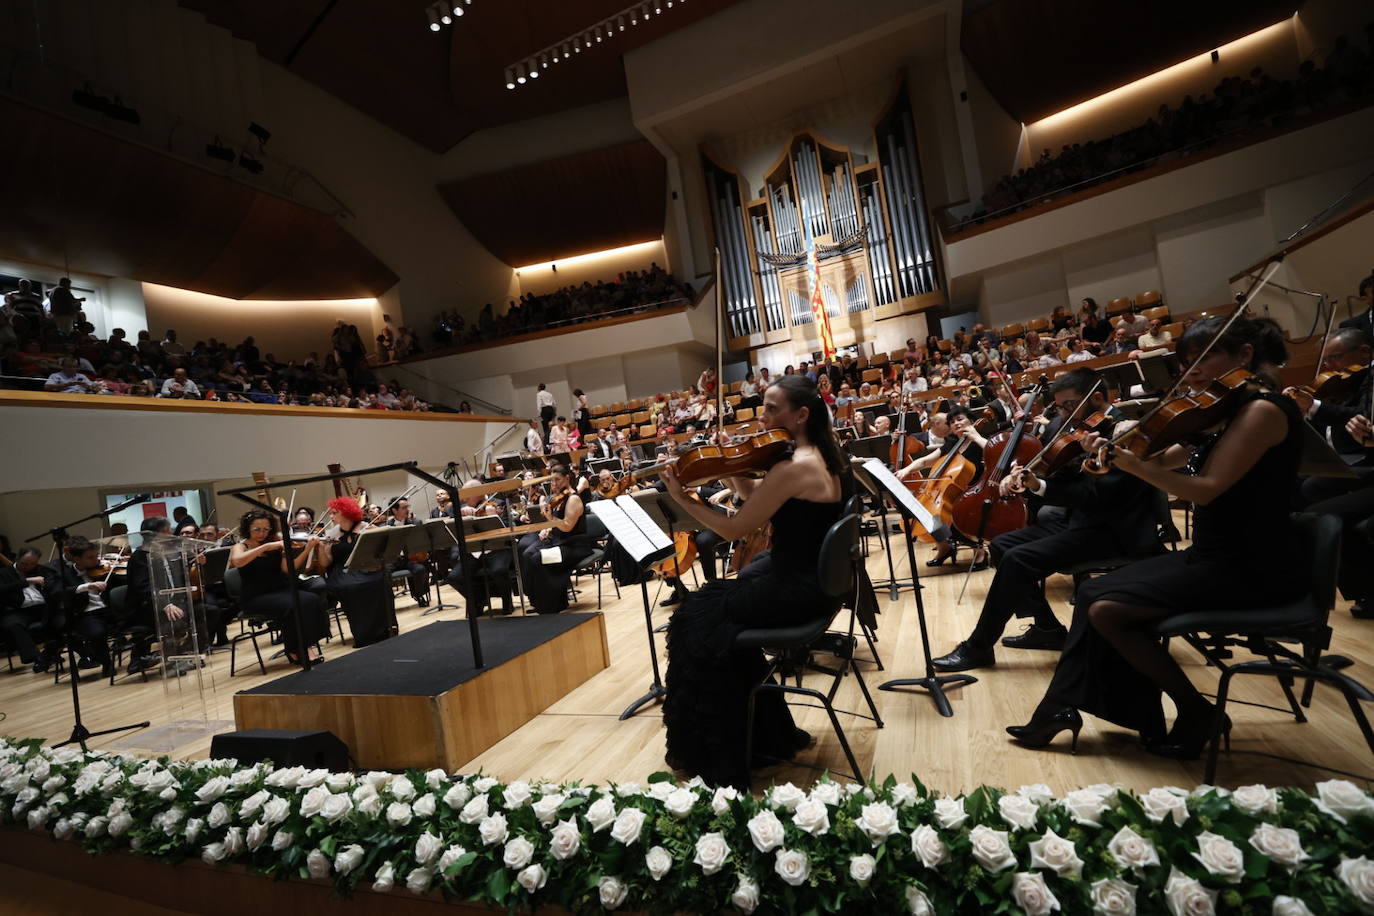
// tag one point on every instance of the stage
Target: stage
(416, 700)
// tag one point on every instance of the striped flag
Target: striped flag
(818, 310)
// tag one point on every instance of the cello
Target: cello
(947, 480)
(982, 512)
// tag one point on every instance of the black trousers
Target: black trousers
(547, 585)
(1352, 501)
(479, 579)
(546, 417)
(1023, 559)
(15, 625)
(418, 582)
(88, 633)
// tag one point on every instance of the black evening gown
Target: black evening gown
(709, 679)
(1240, 558)
(266, 592)
(547, 585)
(364, 596)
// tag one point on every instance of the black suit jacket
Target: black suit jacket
(12, 586)
(1333, 416)
(64, 598)
(1116, 501)
(1364, 321)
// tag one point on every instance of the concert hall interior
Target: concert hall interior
(991, 368)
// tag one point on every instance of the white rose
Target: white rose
(311, 778)
(212, 789)
(474, 811)
(275, 810)
(167, 794)
(657, 860)
(518, 853)
(1057, 854)
(628, 825)
(1161, 803)
(658, 791)
(335, 807)
(1289, 906)
(119, 824)
(213, 853)
(1085, 806)
(1280, 844)
(903, 794)
(314, 800)
(546, 807)
(812, 817)
(516, 794)
(991, 849)
(287, 778)
(435, 778)
(257, 834)
(928, 846)
(419, 879)
(878, 821)
(1018, 811)
(612, 892)
(233, 840)
(949, 812)
(451, 855)
(372, 805)
(712, 851)
(1187, 897)
(339, 782)
(861, 869)
(318, 864)
(720, 801)
(253, 804)
(766, 831)
(1358, 877)
(385, 878)
(39, 816)
(398, 814)
(1220, 857)
(1342, 800)
(680, 802)
(1039, 793)
(532, 878)
(492, 829)
(63, 829)
(483, 784)
(601, 814)
(425, 805)
(628, 789)
(786, 796)
(1113, 897)
(283, 840)
(427, 848)
(401, 788)
(457, 795)
(53, 783)
(917, 902)
(565, 840)
(745, 896)
(827, 793)
(95, 827)
(792, 866)
(1131, 850)
(1031, 894)
(1257, 799)
(348, 858)
(193, 828)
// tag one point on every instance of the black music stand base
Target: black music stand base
(80, 734)
(656, 690)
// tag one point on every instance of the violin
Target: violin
(1072, 445)
(1337, 385)
(750, 456)
(1179, 419)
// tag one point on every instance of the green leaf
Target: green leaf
(498, 885)
(660, 776)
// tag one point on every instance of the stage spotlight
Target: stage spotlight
(520, 74)
(217, 150)
(620, 21)
(544, 61)
(250, 164)
(458, 10)
(433, 18)
(533, 68)
(566, 52)
(510, 78)
(598, 34)
(445, 14)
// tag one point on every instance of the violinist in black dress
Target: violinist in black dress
(1239, 479)
(708, 679)
(365, 596)
(546, 583)
(265, 590)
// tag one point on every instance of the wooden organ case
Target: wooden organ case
(869, 225)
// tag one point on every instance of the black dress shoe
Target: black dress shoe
(86, 662)
(674, 598)
(1037, 637)
(422, 601)
(40, 666)
(1360, 611)
(1040, 731)
(107, 670)
(1190, 735)
(965, 657)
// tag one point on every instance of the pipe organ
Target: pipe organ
(866, 220)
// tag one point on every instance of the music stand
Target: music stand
(635, 525)
(369, 551)
(439, 533)
(911, 510)
(597, 465)
(861, 450)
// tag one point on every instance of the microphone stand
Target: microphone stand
(80, 733)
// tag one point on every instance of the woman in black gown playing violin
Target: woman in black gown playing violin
(1239, 480)
(708, 678)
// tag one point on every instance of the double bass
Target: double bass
(982, 512)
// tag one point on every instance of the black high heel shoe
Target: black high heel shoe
(979, 565)
(1040, 731)
(1189, 737)
(943, 557)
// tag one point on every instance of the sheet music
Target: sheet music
(632, 528)
(898, 491)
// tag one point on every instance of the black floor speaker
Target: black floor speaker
(284, 747)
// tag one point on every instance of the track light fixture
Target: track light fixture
(533, 69)
(520, 74)
(510, 78)
(442, 12)
(598, 33)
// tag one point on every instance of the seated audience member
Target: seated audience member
(1154, 336)
(70, 380)
(25, 589)
(1076, 352)
(1087, 518)
(179, 386)
(1134, 323)
(77, 607)
(1121, 341)
(1094, 331)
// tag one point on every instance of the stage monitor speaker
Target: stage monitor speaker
(284, 747)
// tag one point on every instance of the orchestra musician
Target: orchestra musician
(481, 573)
(1104, 516)
(364, 595)
(1112, 665)
(265, 591)
(961, 430)
(443, 508)
(26, 586)
(78, 605)
(708, 680)
(546, 576)
(419, 572)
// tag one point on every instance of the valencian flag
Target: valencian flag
(818, 311)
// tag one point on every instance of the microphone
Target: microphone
(131, 501)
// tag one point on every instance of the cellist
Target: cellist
(1086, 517)
(962, 433)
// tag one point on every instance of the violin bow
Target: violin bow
(1065, 426)
(720, 348)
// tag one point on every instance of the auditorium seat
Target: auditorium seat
(1038, 325)
(872, 375)
(1149, 299)
(1013, 331)
(745, 414)
(601, 422)
(895, 356)
(733, 399)
(946, 346)
(1159, 311)
(1175, 329)
(648, 431)
(640, 417)
(1118, 306)
(861, 363)
(618, 407)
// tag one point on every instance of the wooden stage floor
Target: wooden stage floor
(581, 737)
